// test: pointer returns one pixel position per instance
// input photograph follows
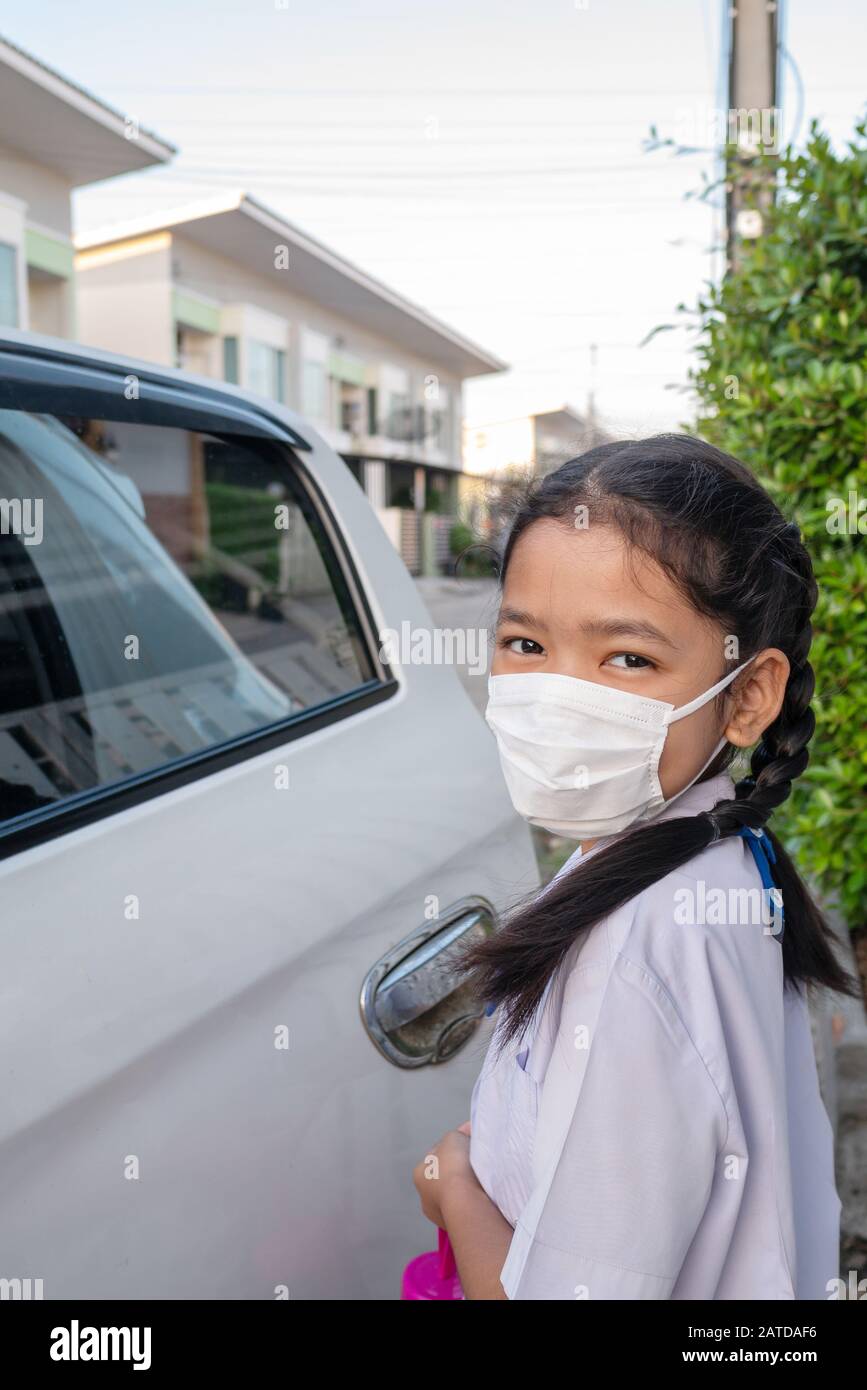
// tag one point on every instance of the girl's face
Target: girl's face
(582, 603)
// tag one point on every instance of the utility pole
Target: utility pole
(591, 399)
(753, 117)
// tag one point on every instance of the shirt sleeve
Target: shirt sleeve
(615, 1214)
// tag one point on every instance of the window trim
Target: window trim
(97, 803)
(34, 379)
(15, 251)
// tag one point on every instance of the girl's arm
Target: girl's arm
(480, 1235)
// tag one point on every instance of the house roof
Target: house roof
(561, 415)
(243, 229)
(564, 414)
(53, 122)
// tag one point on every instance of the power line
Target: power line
(298, 93)
(306, 122)
(402, 175)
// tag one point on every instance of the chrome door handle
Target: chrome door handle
(415, 1004)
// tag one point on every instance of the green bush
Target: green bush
(473, 559)
(781, 384)
(242, 525)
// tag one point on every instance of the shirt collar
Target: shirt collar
(701, 796)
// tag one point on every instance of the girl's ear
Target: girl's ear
(758, 699)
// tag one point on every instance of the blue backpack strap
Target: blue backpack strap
(764, 854)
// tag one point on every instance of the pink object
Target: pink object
(433, 1274)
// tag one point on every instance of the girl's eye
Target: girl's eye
(521, 645)
(630, 661)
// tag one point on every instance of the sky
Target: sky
(483, 157)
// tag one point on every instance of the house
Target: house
(232, 290)
(54, 137)
(502, 456)
(529, 444)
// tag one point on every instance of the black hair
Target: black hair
(713, 530)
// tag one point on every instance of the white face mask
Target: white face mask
(581, 759)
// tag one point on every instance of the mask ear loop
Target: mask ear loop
(664, 806)
(693, 705)
(700, 700)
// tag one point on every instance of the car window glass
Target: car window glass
(178, 592)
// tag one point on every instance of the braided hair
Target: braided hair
(714, 531)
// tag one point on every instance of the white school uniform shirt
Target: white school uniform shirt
(658, 1131)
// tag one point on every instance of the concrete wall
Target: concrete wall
(201, 353)
(45, 192)
(13, 224)
(52, 307)
(218, 277)
(125, 299)
(557, 442)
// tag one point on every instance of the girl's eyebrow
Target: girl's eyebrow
(595, 627)
(625, 627)
(518, 615)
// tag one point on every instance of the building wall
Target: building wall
(200, 353)
(35, 208)
(45, 192)
(536, 443)
(125, 299)
(217, 277)
(52, 307)
(555, 443)
(13, 225)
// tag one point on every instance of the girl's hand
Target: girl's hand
(448, 1161)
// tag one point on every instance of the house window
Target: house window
(8, 286)
(398, 417)
(352, 407)
(230, 360)
(265, 369)
(399, 423)
(442, 420)
(314, 390)
(314, 375)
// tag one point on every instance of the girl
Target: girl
(647, 1123)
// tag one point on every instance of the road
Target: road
(471, 605)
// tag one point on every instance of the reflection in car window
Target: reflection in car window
(178, 593)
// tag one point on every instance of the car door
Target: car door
(238, 852)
